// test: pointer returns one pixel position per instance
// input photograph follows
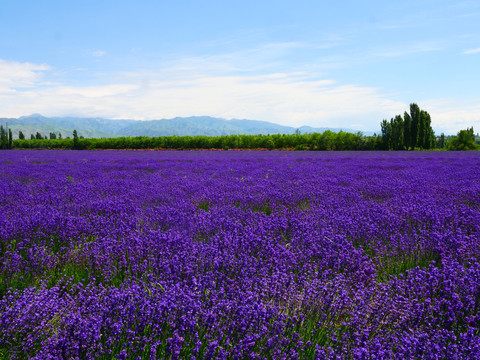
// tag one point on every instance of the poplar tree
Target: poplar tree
(421, 129)
(407, 130)
(75, 139)
(386, 134)
(428, 135)
(397, 132)
(414, 114)
(3, 138)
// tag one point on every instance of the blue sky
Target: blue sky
(346, 64)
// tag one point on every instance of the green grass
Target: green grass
(204, 205)
(390, 265)
(264, 208)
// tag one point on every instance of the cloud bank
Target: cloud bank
(288, 98)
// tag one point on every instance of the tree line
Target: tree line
(411, 131)
(327, 140)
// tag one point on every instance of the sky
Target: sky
(346, 64)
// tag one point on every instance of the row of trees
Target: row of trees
(38, 136)
(413, 130)
(6, 138)
(327, 140)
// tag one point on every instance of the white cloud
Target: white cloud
(93, 92)
(472, 51)
(289, 98)
(19, 75)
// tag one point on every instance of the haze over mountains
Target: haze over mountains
(180, 126)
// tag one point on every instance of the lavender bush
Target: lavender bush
(234, 255)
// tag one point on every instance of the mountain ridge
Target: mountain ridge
(179, 126)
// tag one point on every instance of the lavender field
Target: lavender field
(239, 255)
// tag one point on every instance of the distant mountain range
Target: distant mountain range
(180, 126)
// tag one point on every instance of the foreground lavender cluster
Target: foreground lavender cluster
(234, 255)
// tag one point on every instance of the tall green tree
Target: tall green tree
(414, 114)
(21, 135)
(426, 136)
(3, 138)
(421, 129)
(429, 134)
(393, 133)
(407, 130)
(10, 139)
(397, 132)
(75, 140)
(386, 134)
